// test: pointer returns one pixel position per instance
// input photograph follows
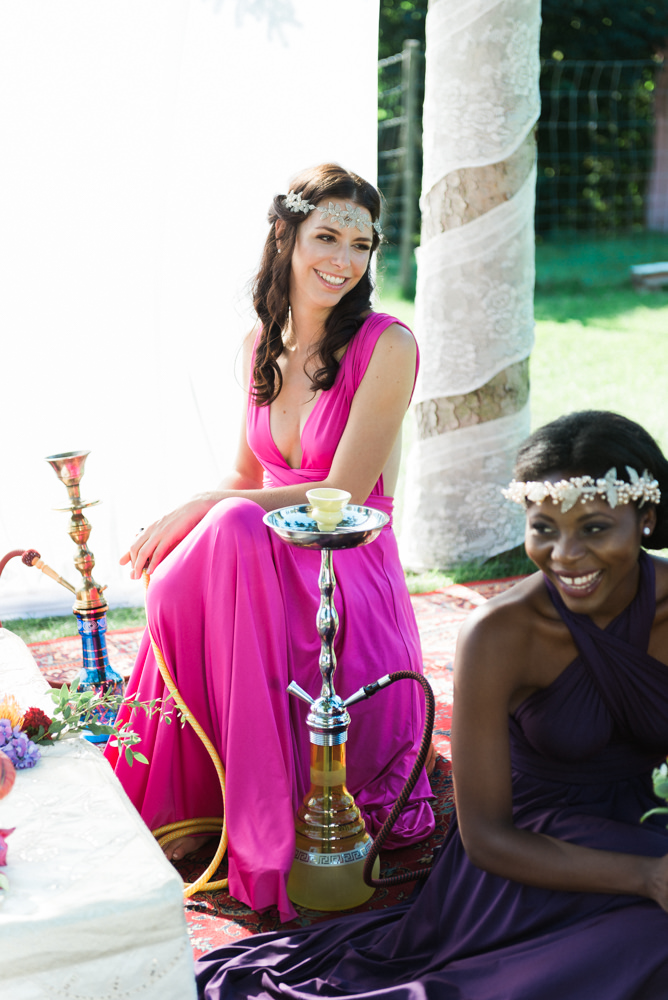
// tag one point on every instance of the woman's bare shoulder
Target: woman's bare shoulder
(247, 348)
(507, 624)
(397, 335)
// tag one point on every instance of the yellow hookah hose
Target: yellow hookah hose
(206, 824)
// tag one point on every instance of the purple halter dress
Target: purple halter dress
(233, 609)
(583, 750)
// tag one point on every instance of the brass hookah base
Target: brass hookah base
(331, 842)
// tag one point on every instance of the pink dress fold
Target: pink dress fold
(233, 609)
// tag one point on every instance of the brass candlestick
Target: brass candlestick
(90, 606)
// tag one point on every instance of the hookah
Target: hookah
(90, 607)
(336, 863)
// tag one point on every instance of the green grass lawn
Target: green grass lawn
(599, 345)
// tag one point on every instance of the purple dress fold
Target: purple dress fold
(233, 609)
(583, 750)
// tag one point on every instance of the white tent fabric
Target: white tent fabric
(142, 145)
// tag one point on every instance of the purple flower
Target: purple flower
(22, 752)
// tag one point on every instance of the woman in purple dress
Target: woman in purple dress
(548, 886)
(233, 608)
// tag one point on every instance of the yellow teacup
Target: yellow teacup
(327, 506)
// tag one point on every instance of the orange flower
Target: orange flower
(9, 709)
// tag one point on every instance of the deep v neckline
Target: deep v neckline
(301, 433)
(316, 405)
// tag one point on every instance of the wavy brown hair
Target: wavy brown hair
(271, 285)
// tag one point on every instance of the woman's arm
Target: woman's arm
(372, 429)
(493, 649)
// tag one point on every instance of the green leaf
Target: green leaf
(659, 811)
(100, 728)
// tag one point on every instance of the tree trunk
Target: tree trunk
(656, 216)
(474, 301)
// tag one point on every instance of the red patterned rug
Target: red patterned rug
(216, 918)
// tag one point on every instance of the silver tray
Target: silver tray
(296, 525)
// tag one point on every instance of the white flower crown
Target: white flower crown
(351, 215)
(568, 491)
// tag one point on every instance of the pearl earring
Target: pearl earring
(647, 531)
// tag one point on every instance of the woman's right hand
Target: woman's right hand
(152, 544)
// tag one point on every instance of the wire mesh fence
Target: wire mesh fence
(595, 145)
(400, 99)
(600, 168)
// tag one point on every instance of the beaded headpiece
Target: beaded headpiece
(351, 215)
(568, 491)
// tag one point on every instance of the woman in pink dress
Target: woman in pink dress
(233, 608)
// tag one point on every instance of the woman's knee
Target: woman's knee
(229, 526)
(236, 516)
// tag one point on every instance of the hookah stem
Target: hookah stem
(385, 829)
(328, 622)
(327, 795)
(327, 627)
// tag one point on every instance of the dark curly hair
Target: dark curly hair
(271, 285)
(589, 442)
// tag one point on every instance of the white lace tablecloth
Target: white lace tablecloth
(94, 911)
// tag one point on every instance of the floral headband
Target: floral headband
(351, 215)
(568, 491)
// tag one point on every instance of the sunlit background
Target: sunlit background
(142, 145)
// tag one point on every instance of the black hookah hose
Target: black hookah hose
(420, 760)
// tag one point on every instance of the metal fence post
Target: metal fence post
(410, 141)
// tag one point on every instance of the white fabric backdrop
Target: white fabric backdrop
(143, 141)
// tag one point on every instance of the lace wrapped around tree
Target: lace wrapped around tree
(474, 302)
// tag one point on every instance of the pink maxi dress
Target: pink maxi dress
(233, 609)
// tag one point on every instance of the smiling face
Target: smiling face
(328, 260)
(590, 552)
